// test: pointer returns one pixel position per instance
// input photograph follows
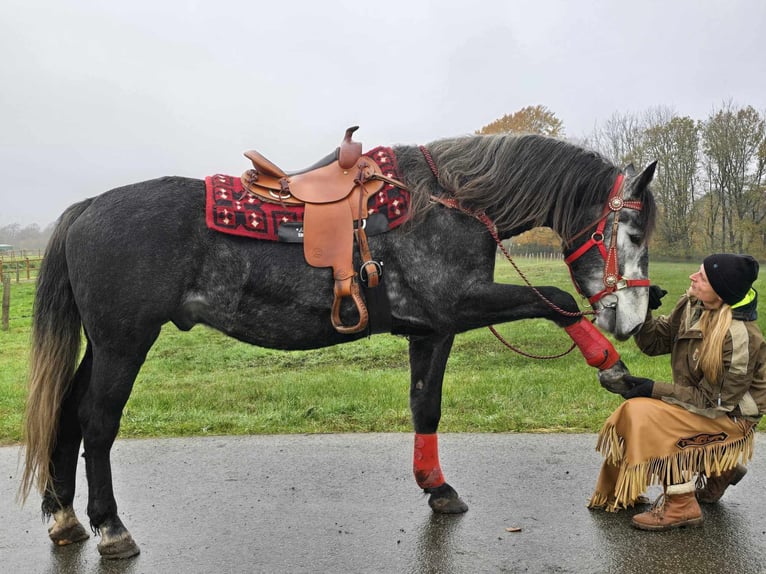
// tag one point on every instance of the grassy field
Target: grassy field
(203, 383)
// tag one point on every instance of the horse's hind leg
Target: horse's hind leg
(59, 495)
(100, 412)
(428, 360)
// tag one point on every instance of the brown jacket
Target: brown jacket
(741, 391)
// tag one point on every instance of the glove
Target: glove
(639, 387)
(656, 293)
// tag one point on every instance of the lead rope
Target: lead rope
(492, 228)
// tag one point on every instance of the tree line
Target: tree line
(710, 184)
(28, 238)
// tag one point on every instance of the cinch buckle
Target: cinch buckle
(363, 272)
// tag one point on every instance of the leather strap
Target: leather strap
(370, 267)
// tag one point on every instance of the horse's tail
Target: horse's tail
(56, 339)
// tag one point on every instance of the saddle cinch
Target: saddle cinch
(334, 193)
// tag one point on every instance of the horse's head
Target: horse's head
(609, 259)
(523, 181)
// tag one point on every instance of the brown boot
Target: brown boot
(675, 508)
(712, 488)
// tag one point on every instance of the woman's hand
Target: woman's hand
(638, 387)
(656, 293)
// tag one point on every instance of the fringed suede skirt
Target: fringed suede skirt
(648, 441)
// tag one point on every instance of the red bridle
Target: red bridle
(613, 281)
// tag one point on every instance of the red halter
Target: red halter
(613, 281)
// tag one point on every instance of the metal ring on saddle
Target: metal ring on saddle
(363, 271)
(284, 192)
(279, 196)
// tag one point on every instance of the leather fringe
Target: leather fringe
(633, 480)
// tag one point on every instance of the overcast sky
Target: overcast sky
(97, 94)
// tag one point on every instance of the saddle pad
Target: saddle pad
(229, 208)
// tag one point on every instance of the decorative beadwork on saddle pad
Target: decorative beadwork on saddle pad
(229, 208)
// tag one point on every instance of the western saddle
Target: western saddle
(334, 193)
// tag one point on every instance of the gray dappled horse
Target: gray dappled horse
(99, 276)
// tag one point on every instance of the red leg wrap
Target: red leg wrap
(596, 348)
(425, 462)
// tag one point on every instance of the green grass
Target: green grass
(203, 383)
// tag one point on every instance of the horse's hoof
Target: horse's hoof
(445, 500)
(447, 505)
(116, 542)
(66, 529)
(118, 548)
(63, 537)
(612, 378)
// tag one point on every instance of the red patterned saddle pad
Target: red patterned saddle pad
(229, 208)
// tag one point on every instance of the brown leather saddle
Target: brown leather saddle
(334, 194)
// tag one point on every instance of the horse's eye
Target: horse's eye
(635, 239)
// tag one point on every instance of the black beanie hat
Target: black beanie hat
(731, 276)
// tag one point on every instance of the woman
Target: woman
(701, 424)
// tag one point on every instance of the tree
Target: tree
(23, 238)
(674, 143)
(539, 239)
(621, 139)
(732, 141)
(759, 189)
(532, 120)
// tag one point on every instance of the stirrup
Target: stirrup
(358, 300)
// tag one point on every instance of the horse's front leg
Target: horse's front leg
(485, 304)
(428, 360)
(497, 303)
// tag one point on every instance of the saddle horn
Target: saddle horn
(349, 151)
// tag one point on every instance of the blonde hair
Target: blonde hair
(714, 324)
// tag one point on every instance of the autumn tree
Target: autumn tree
(531, 120)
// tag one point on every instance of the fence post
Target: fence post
(6, 300)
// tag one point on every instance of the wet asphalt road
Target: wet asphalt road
(349, 503)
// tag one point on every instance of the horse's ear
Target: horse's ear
(647, 175)
(629, 170)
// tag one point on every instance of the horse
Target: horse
(98, 286)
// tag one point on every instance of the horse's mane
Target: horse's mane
(521, 181)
